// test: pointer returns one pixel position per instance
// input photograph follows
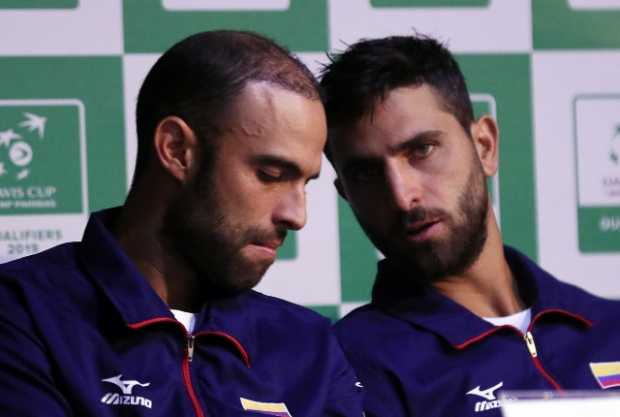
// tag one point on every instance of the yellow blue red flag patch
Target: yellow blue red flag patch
(606, 373)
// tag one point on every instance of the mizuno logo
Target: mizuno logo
(126, 387)
(489, 395)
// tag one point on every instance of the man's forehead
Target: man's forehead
(276, 124)
(401, 114)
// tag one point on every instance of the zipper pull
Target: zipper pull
(190, 347)
(531, 346)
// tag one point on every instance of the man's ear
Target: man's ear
(340, 188)
(176, 148)
(485, 135)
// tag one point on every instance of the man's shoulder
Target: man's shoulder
(592, 305)
(265, 306)
(353, 329)
(553, 292)
(51, 281)
(41, 269)
(367, 317)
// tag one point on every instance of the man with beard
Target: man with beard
(455, 316)
(152, 313)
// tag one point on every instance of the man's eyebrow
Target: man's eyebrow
(358, 161)
(280, 162)
(415, 140)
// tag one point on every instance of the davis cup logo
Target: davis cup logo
(43, 183)
(42, 157)
(17, 145)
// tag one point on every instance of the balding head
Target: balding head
(199, 78)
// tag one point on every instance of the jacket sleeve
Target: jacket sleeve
(27, 387)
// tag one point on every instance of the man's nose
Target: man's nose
(291, 210)
(404, 186)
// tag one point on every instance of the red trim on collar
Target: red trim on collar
(229, 338)
(141, 324)
(577, 317)
(481, 336)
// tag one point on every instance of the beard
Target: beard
(198, 229)
(434, 259)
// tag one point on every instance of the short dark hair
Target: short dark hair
(198, 78)
(357, 79)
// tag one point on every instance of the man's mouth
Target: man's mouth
(267, 247)
(420, 229)
(272, 244)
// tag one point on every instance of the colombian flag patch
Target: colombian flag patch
(270, 409)
(606, 373)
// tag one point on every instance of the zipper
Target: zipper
(190, 347)
(191, 339)
(531, 347)
(529, 341)
(187, 358)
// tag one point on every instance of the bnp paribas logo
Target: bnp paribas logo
(42, 157)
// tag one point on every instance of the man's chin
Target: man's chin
(423, 261)
(247, 275)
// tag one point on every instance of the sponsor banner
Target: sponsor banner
(430, 3)
(43, 174)
(42, 157)
(61, 27)
(509, 22)
(68, 140)
(135, 68)
(61, 148)
(577, 109)
(245, 5)
(597, 156)
(502, 82)
(576, 24)
(300, 25)
(39, 4)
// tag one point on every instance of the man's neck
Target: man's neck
(487, 288)
(168, 274)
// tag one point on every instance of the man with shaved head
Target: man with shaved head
(153, 312)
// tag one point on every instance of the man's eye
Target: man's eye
(422, 151)
(268, 175)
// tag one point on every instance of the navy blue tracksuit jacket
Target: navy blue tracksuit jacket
(420, 354)
(83, 334)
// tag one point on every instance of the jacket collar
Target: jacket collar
(139, 305)
(399, 295)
